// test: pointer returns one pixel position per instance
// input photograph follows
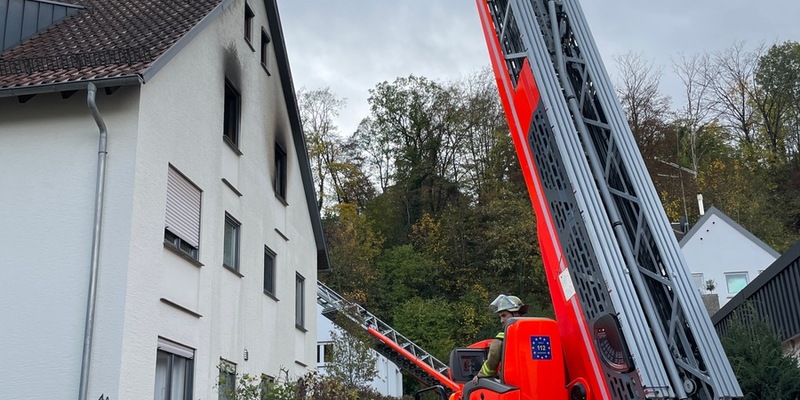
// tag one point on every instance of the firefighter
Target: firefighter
(505, 307)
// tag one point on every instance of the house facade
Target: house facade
(389, 379)
(719, 249)
(169, 238)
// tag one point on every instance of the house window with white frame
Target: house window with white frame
(174, 371)
(699, 283)
(182, 214)
(230, 257)
(735, 281)
(324, 353)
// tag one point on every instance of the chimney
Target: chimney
(700, 204)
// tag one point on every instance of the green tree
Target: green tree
(407, 274)
(429, 323)
(353, 248)
(353, 360)
(422, 119)
(777, 96)
(754, 350)
(318, 110)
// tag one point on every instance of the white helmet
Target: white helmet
(508, 303)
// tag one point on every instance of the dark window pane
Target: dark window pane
(230, 257)
(280, 172)
(299, 301)
(248, 22)
(232, 110)
(269, 271)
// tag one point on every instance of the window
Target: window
(327, 352)
(264, 49)
(182, 215)
(230, 257)
(299, 302)
(174, 371)
(736, 281)
(699, 283)
(227, 380)
(233, 107)
(269, 271)
(280, 172)
(248, 23)
(266, 384)
(324, 352)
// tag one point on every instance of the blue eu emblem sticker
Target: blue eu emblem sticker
(540, 347)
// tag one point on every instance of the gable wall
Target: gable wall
(49, 151)
(181, 124)
(717, 248)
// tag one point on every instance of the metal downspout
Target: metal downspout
(98, 220)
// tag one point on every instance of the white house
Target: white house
(389, 379)
(207, 242)
(719, 249)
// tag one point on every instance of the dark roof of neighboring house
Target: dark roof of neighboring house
(715, 211)
(125, 42)
(773, 293)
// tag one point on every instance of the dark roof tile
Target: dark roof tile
(108, 38)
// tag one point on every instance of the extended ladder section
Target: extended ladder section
(632, 323)
(411, 358)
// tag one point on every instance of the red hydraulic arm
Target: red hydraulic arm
(519, 103)
(447, 382)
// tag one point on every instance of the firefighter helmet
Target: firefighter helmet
(508, 303)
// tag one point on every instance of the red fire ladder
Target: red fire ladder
(390, 343)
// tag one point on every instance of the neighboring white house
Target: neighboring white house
(389, 380)
(210, 240)
(719, 249)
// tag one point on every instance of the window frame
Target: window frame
(265, 41)
(249, 15)
(265, 384)
(182, 214)
(232, 115)
(281, 163)
(236, 228)
(270, 258)
(729, 275)
(699, 285)
(299, 302)
(173, 351)
(228, 369)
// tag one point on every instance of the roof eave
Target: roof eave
(126, 80)
(276, 31)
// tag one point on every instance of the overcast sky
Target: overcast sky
(352, 45)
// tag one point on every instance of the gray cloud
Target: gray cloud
(352, 45)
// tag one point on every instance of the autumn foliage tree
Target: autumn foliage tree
(426, 212)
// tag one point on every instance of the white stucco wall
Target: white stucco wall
(389, 380)
(48, 147)
(718, 248)
(49, 151)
